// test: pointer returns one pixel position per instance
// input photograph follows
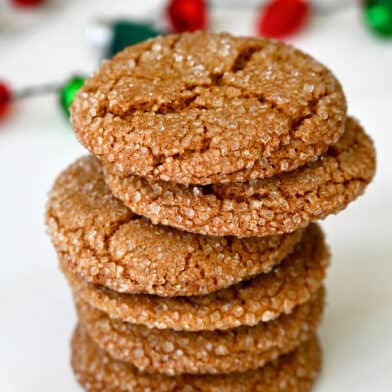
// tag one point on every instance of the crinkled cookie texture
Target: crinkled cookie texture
(96, 371)
(262, 298)
(172, 352)
(203, 108)
(280, 204)
(105, 243)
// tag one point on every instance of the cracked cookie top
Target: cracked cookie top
(203, 108)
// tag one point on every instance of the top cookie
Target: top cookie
(203, 108)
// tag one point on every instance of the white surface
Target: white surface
(36, 143)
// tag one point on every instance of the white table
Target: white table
(37, 315)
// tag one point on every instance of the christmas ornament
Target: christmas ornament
(126, 33)
(68, 92)
(378, 16)
(277, 19)
(282, 18)
(27, 3)
(5, 99)
(110, 37)
(187, 15)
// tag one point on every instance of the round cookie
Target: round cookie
(205, 108)
(106, 244)
(262, 298)
(275, 205)
(96, 371)
(213, 352)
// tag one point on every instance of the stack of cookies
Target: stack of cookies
(187, 236)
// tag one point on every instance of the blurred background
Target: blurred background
(44, 45)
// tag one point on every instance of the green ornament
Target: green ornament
(68, 92)
(378, 15)
(125, 33)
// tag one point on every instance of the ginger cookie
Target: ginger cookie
(204, 108)
(262, 298)
(208, 352)
(271, 206)
(96, 371)
(106, 244)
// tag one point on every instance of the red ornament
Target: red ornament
(27, 3)
(281, 18)
(5, 99)
(187, 15)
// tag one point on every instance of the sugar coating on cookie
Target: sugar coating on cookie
(213, 352)
(276, 205)
(262, 298)
(106, 244)
(202, 108)
(96, 371)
